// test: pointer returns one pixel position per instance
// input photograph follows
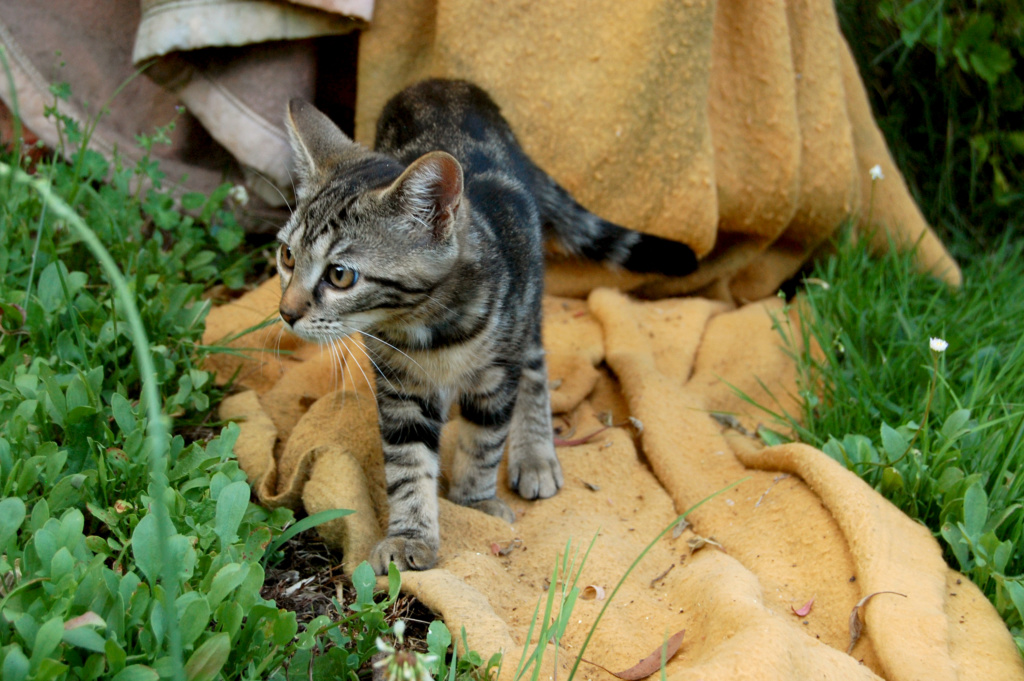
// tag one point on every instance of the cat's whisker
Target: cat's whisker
(295, 190)
(368, 352)
(276, 188)
(276, 351)
(280, 335)
(367, 378)
(326, 340)
(339, 382)
(337, 363)
(348, 362)
(379, 372)
(405, 354)
(438, 302)
(347, 359)
(323, 339)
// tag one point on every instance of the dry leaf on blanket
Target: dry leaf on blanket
(804, 609)
(499, 550)
(651, 663)
(856, 623)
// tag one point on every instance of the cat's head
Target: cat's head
(368, 240)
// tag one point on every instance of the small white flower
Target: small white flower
(239, 195)
(937, 344)
(876, 173)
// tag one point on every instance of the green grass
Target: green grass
(941, 434)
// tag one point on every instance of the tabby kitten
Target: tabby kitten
(431, 247)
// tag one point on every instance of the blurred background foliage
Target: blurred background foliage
(946, 81)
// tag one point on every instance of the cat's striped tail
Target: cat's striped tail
(582, 233)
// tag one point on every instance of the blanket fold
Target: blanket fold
(784, 526)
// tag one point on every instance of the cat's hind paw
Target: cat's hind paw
(405, 553)
(535, 477)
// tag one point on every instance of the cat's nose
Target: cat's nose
(289, 316)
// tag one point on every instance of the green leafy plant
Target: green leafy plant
(127, 551)
(101, 592)
(471, 665)
(91, 563)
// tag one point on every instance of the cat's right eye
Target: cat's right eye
(286, 256)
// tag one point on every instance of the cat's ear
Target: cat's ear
(431, 190)
(317, 142)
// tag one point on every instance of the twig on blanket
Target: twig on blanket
(561, 442)
(604, 417)
(777, 480)
(730, 421)
(856, 623)
(662, 576)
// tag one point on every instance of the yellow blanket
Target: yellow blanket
(739, 127)
(798, 529)
(742, 129)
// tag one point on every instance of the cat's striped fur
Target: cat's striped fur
(432, 248)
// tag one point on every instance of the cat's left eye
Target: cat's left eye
(287, 257)
(341, 277)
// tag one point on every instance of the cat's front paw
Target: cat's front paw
(535, 477)
(406, 554)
